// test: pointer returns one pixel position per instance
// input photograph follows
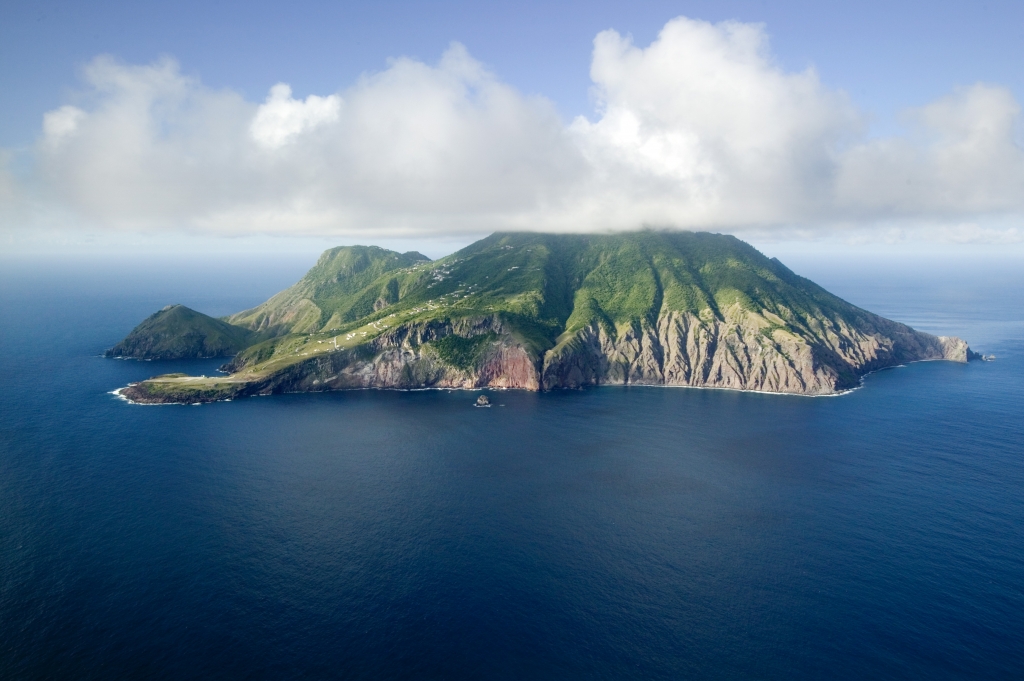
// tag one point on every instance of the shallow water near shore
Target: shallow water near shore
(607, 533)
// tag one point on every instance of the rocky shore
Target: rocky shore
(741, 353)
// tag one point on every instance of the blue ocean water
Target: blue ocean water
(614, 533)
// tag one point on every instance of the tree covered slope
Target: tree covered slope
(346, 284)
(542, 311)
(177, 332)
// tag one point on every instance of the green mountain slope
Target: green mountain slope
(346, 283)
(545, 311)
(177, 332)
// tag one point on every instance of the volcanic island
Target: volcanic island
(536, 312)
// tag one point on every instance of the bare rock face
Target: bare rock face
(745, 351)
(955, 349)
(405, 359)
(509, 366)
(684, 350)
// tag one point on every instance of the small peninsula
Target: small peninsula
(537, 312)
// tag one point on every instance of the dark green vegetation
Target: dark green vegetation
(177, 332)
(540, 311)
(345, 285)
(550, 285)
(463, 352)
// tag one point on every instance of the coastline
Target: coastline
(118, 393)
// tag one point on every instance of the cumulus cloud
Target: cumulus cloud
(699, 129)
(963, 159)
(156, 149)
(416, 147)
(61, 123)
(282, 118)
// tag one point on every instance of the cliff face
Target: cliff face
(409, 358)
(743, 352)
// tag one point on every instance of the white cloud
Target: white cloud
(157, 148)
(700, 129)
(963, 159)
(60, 123)
(281, 118)
(411, 149)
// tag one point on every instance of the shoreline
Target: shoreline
(860, 384)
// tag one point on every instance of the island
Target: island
(537, 311)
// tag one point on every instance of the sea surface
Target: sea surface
(609, 533)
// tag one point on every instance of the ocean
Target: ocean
(608, 533)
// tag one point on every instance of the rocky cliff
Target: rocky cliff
(743, 352)
(680, 350)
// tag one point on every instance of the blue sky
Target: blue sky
(887, 55)
(883, 58)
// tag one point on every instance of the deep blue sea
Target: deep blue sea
(610, 533)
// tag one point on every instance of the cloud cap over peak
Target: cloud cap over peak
(699, 129)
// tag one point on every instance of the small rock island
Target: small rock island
(537, 312)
